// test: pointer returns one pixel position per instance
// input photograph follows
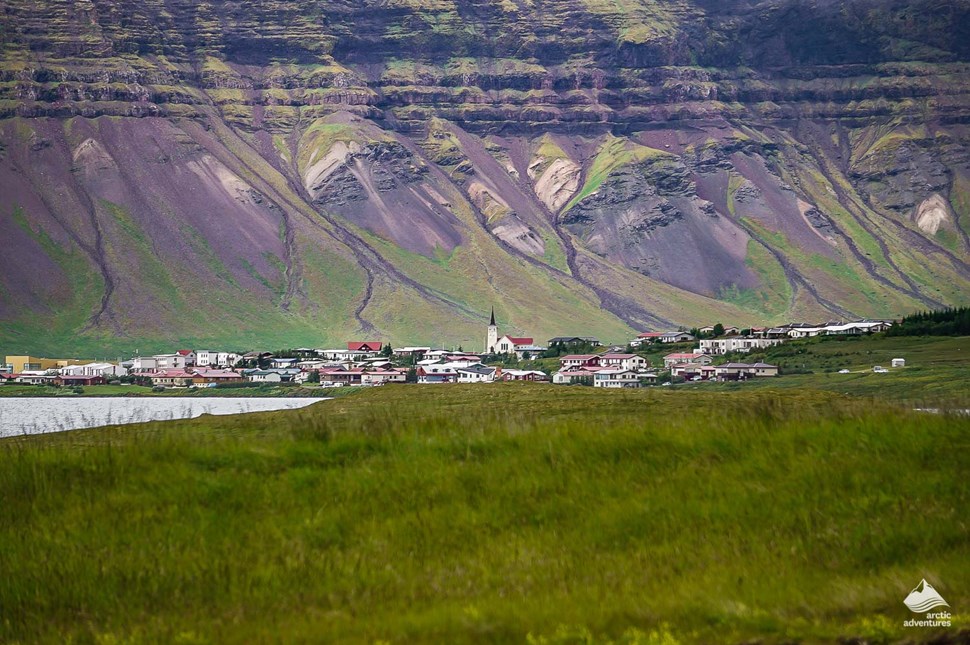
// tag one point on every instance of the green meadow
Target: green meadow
(492, 514)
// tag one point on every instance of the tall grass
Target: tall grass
(488, 514)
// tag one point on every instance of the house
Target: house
(6, 377)
(524, 375)
(382, 376)
(207, 358)
(367, 347)
(624, 361)
(80, 380)
(676, 337)
(35, 378)
(172, 378)
(188, 355)
(476, 374)
(265, 376)
(775, 332)
(646, 337)
(349, 354)
(342, 376)
(209, 375)
(721, 346)
(693, 371)
(175, 361)
(414, 353)
(579, 360)
(899, 362)
(686, 357)
(569, 376)
(143, 365)
(764, 369)
(22, 363)
(283, 363)
(616, 378)
(437, 374)
(733, 371)
(462, 360)
(108, 370)
(743, 371)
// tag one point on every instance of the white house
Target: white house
(437, 374)
(207, 358)
(616, 378)
(144, 364)
(379, 377)
(107, 370)
(523, 375)
(721, 346)
(678, 358)
(35, 378)
(623, 361)
(265, 376)
(568, 376)
(476, 374)
(170, 361)
(899, 362)
(675, 337)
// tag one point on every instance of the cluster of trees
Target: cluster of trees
(953, 321)
(557, 349)
(716, 333)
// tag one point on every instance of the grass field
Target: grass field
(505, 513)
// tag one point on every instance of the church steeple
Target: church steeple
(491, 335)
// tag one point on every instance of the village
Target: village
(582, 360)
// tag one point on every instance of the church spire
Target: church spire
(492, 321)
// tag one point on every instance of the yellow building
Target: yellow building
(18, 364)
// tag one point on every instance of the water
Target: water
(34, 415)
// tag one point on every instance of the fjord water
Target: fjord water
(35, 415)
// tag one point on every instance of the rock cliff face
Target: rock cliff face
(298, 171)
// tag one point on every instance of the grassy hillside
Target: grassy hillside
(490, 514)
(936, 369)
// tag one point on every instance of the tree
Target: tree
(314, 377)
(718, 330)
(387, 350)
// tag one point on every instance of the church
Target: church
(520, 346)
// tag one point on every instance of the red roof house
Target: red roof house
(367, 346)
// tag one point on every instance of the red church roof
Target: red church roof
(520, 341)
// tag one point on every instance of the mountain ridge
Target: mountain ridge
(301, 172)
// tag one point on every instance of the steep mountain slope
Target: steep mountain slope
(299, 172)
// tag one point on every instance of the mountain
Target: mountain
(294, 172)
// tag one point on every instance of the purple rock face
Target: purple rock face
(299, 169)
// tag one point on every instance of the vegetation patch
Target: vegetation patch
(488, 513)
